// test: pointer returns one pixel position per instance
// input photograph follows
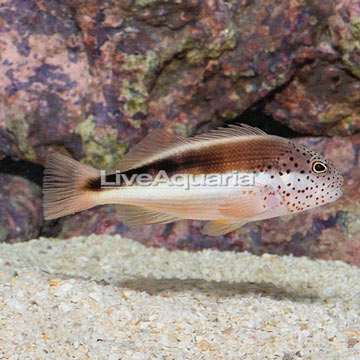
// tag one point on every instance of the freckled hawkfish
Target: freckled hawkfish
(283, 178)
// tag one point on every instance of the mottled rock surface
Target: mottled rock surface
(20, 209)
(92, 77)
(329, 232)
(324, 94)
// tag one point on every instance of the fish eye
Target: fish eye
(319, 167)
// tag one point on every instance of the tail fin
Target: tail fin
(64, 186)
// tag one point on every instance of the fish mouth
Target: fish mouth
(341, 182)
(334, 194)
(338, 193)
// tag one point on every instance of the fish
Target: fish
(228, 177)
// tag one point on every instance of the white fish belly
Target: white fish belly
(200, 201)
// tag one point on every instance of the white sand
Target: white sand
(111, 298)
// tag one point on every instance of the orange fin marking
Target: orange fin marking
(64, 186)
(221, 227)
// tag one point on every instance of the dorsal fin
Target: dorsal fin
(152, 145)
(230, 131)
(159, 141)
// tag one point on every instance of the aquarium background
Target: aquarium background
(91, 78)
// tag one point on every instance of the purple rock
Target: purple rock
(20, 209)
(91, 78)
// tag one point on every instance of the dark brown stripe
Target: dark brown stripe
(241, 155)
(95, 184)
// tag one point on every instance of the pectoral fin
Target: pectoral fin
(136, 216)
(220, 227)
(251, 202)
(244, 207)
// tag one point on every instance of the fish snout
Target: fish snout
(337, 193)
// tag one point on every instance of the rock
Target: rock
(329, 232)
(324, 95)
(323, 98)
(344, 26)
(91, 78)
(20, 209)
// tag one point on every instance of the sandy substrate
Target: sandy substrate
(111, 298)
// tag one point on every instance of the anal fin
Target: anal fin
(136, 216)
(220, 227)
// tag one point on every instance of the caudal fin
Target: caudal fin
(64, 186)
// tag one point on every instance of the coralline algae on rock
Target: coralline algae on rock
(92, 78)
(128, 67)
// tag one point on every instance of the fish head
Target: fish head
(309, 179)
(327, 179)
